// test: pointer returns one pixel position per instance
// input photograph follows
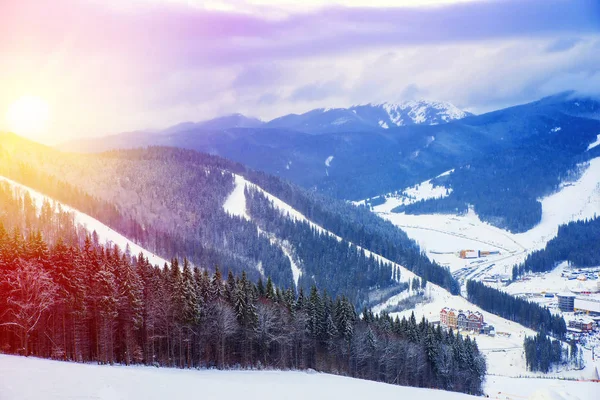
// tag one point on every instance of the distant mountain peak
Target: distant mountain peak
(366, 117)
(421, 112)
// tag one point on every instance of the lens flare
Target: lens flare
(28, 116)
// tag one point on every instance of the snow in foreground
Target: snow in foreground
(53, 380)
(498, 387)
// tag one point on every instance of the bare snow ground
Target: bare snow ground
(54, 380)
(105, 234)
(498, 387)
(33, 379)
(595, 143)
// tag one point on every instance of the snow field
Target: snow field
(498, 387)
(56, 380)
(105, 233)
(61, 380)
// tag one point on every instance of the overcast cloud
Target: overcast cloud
(106, 69)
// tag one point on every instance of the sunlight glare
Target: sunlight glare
(28, 116)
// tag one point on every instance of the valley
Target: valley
(390, 257)
(291, 199)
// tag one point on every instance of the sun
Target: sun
(28, 116)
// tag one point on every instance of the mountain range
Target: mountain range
(506, 151)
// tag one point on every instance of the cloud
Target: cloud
(107, 69)
(316, 91)
(563, 44)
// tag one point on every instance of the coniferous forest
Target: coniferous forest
(518, 310)
(178, 212)
(576, 242)
(65, 296)
(504, 187)
(541, 352)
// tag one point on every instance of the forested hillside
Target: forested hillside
(507, 151)
(577, 242)
(504, 187)
(171, 202)
(67, 297)
(521, 311)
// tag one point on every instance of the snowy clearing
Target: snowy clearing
(595, 143)
(94, 382)
(105, 234)
(498, 387)
(422, 191)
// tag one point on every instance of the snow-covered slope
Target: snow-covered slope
(235, 204)
(504, 353)
(59, 380)
(595, 143)
(95, 382)
(421, 112)
(443, 235)
(422, 191)
(105, 234)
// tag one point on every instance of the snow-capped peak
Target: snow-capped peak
(421, 112)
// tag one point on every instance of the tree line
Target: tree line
(518, 310)
(576, 242)
(179, 212)
(542, 353)
(504, 187)
(65, 296)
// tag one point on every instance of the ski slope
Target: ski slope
(422, 191)
(235, 204)
(443, 235)
(105, 234)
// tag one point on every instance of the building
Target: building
(588, 306)
(452, 319)
(566, 302)
(468, 254)
(489, 330)
(583, 324)
(465, 320)
(449, 317)
(475, 321)
(461, 320)
(444, 316)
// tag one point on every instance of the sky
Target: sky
(103, 67)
